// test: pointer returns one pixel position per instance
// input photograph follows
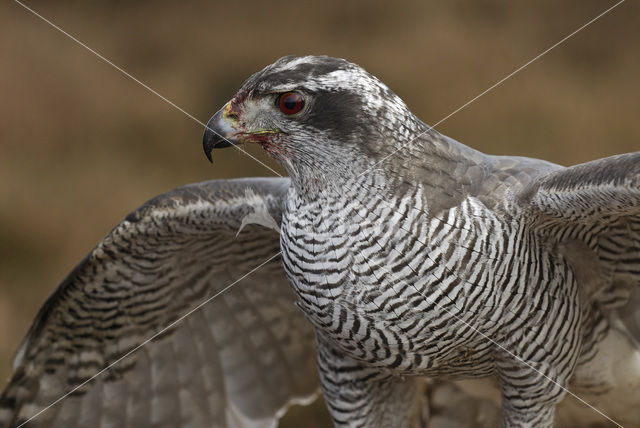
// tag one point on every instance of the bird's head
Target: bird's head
(318, 116)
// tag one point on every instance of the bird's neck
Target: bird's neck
(329, 175)
(409, 155)
(335, 186)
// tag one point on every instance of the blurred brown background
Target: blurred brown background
(81, 144)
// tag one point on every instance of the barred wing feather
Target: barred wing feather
(596, 204)
(238, 361)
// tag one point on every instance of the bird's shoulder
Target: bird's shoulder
(451, 172)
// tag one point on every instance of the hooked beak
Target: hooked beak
(219, 132)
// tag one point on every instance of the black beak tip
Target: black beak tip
(211, 141)
(207, 145)
(213, 135)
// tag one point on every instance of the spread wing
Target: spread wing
(597, 205)
(237, 361)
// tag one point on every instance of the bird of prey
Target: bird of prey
(393, 263)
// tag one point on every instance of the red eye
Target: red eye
(290, 102)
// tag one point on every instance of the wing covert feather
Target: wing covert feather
(592, 191)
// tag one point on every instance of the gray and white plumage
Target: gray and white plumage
(239, 362)
(410, 255)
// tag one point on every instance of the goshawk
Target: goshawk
(409, 256)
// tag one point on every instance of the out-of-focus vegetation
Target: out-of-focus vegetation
(81, 145)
